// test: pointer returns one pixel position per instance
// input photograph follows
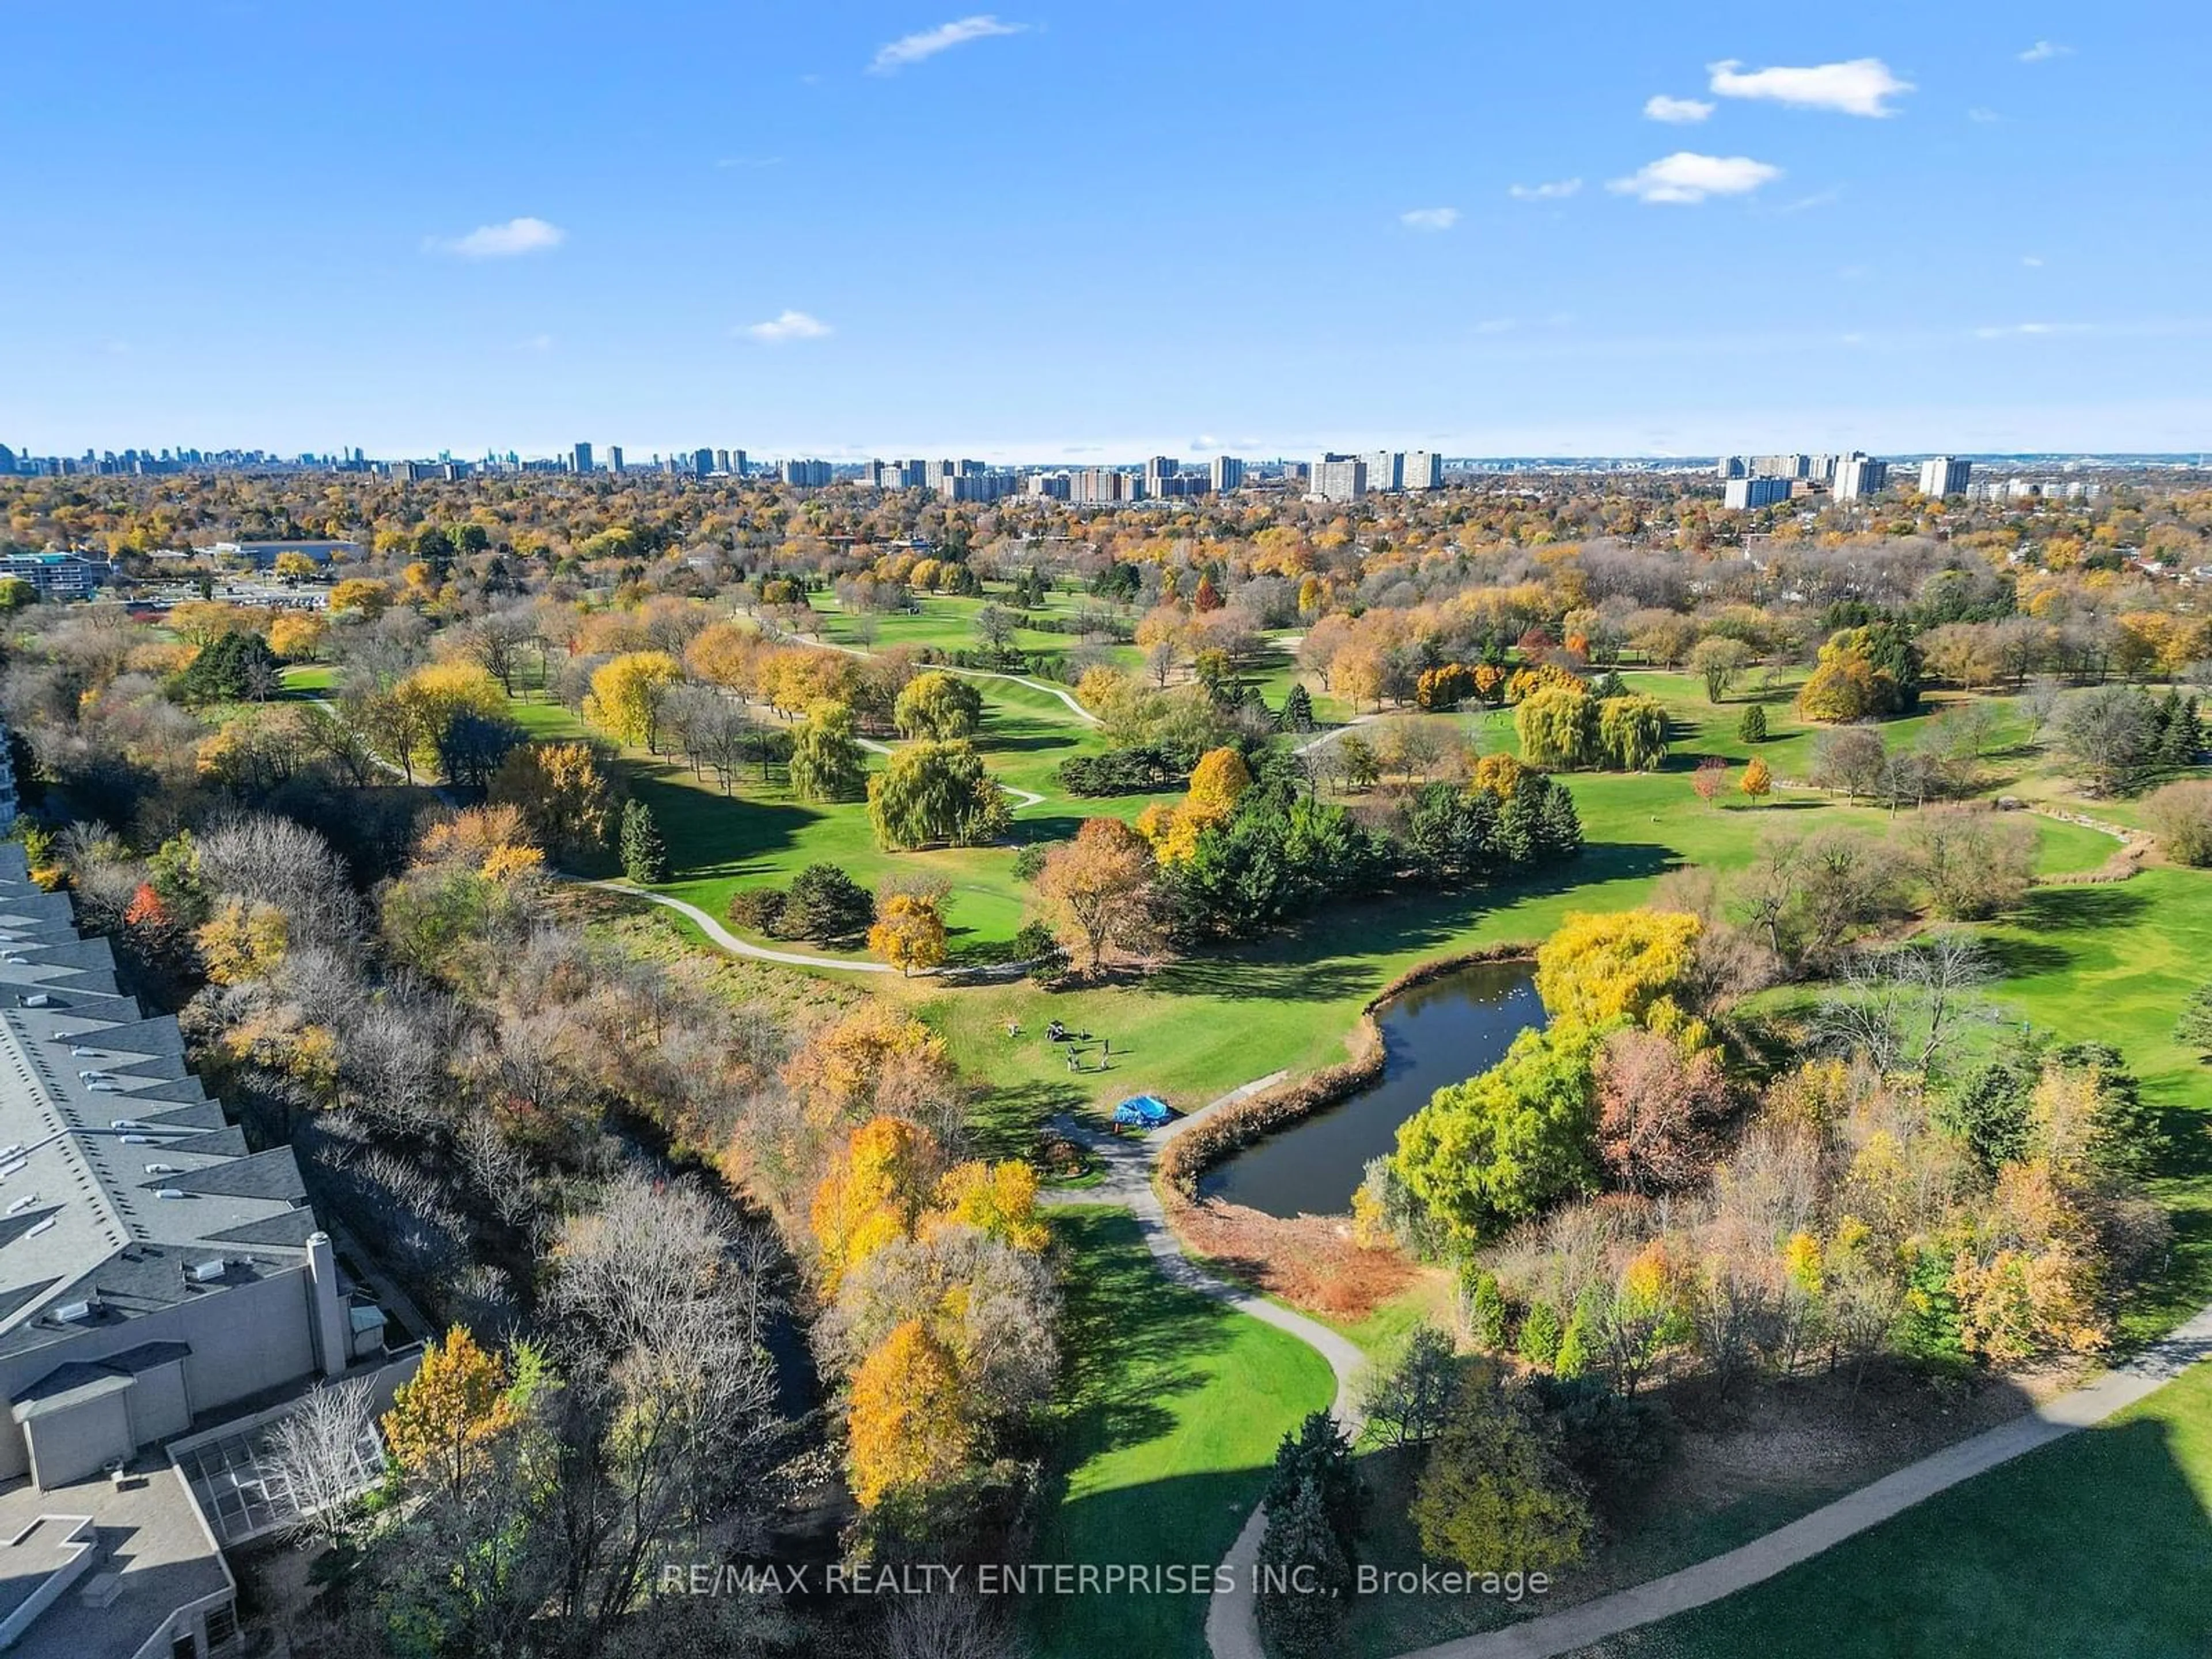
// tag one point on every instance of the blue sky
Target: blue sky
(1098, 230)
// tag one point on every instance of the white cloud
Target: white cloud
(788, 326)
(2033, 261)
(2030, 330)
(1861, 87)
(515, 237)
(1686, 176)
(913, 48)
(1430, 218)
(1984, 117)
(1557, 190)
(2043, 51)
(1678, 112)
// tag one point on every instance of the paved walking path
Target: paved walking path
(1232, 1621)
(1574, 1628)
(1065, 695)
(736, 946)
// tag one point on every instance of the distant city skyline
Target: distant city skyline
(872, 230)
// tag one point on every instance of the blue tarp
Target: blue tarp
(1145, 1111)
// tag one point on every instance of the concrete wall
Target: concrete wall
(68, 1445)
(243, 1339)
(159, 1409)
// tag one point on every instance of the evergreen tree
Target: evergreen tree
(2181, 734)
(644, 859)
(1297, 713)
(1752, 728)
(1319, 1453)
(1305, 1577)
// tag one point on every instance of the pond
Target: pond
(1442, 1032)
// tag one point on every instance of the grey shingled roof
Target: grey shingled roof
(92, 1093)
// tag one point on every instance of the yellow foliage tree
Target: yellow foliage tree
(371, 598)
(1217, 782)
(241, 941)
(877, 1185)
(1758, 781)
(442, 1420)
(1600, 967)
(908, 933)
(996, 1198)
(875, 1055)
(626, 693)
(297, 635)
(908, 1426)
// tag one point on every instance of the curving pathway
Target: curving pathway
(1061, 692)
(730, 942)
(1574, 1628)
(1232, 1619)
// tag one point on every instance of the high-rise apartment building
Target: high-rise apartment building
(1159, 470)
(1423, 470)
(1858, 477)
(1228, 473)
(1744, 493)
(1339, 479)
(614, 458)
(1386, 470)
(806, 475)
(579, 458)
(1941, 475)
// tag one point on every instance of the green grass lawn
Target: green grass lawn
(1172, 1408)
(2097, 1548)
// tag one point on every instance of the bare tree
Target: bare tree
(316, 1449)
(1905, 1006)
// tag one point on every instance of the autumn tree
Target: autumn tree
(1558, 727)
(909, 1425)
(875, 1190)
(1758, 781)
(1631, 733)
(1660, 1112)
(938, 705)
(627, 694)
(1100, 886)
(1719, 661)
(908, 933)
(442, 1419)
(564, 798)
(1710, 779)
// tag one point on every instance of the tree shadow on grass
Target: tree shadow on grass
(709, 835)
(1135, 1343)
(2086, 905)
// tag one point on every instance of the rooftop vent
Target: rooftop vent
(169, 1192)
(135, 1140)
(12, 1166)
(206, 1273)
(123, 1123)
(22, 1203)
(38, 999)
(72, 1311)
(39, 1227)
(162, 1169)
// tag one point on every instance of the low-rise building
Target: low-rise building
(157, 1277)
